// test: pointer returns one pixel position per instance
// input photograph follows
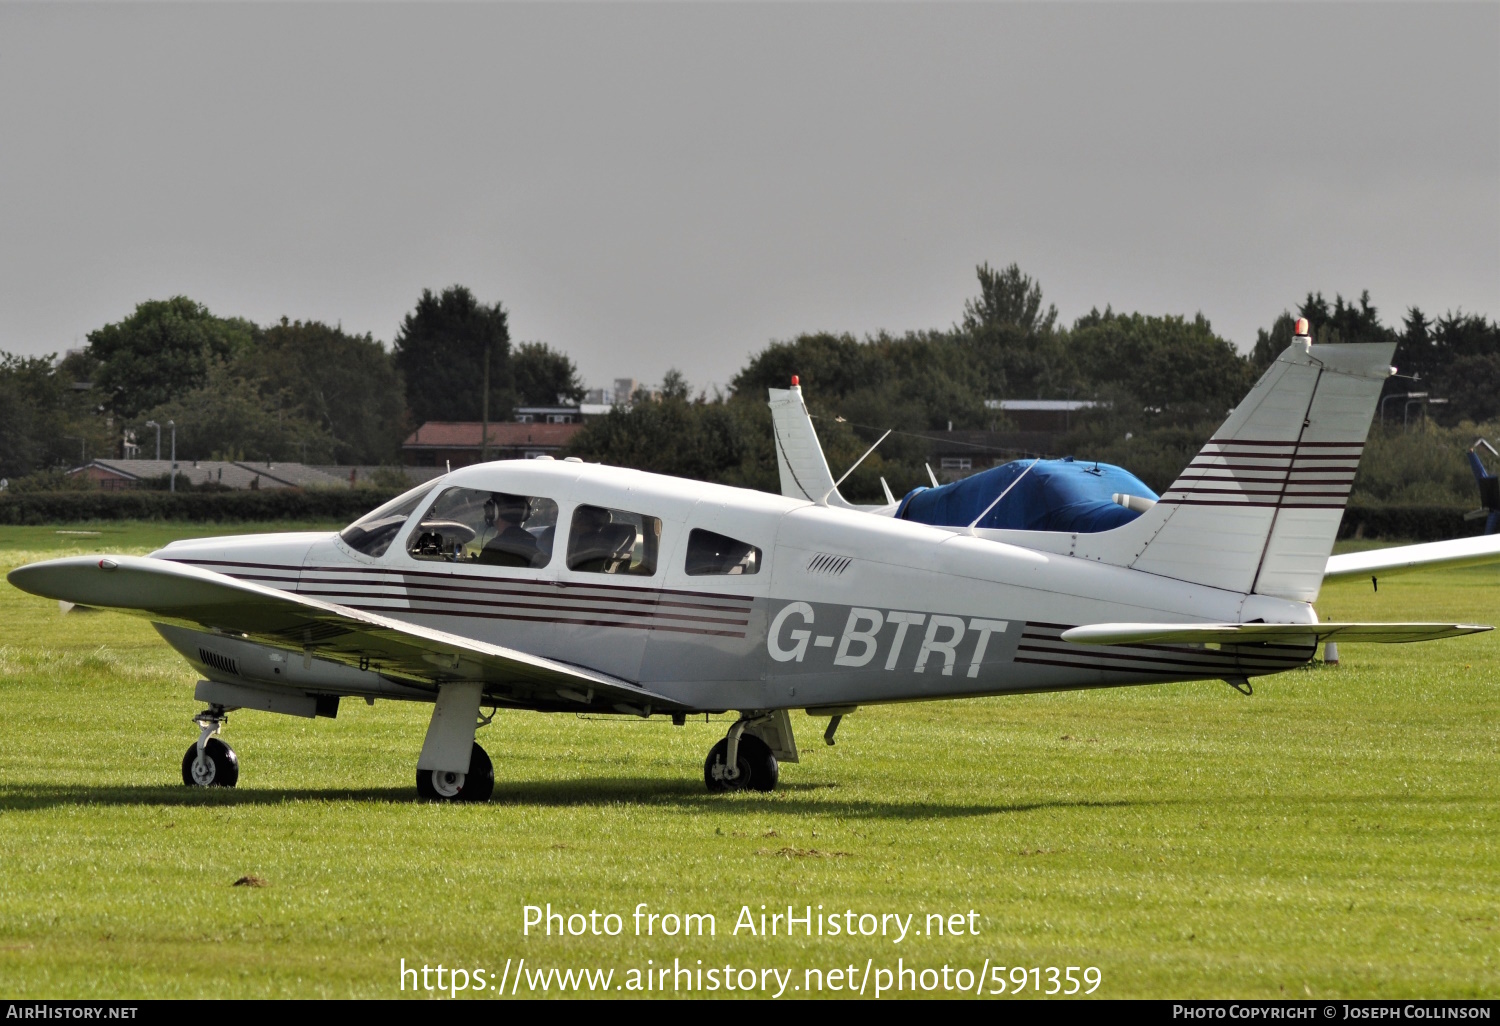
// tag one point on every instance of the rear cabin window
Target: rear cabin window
(469, 525)
(373, 533)
(709, 553)
(613, 541)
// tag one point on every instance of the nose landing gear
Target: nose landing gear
(210, 762)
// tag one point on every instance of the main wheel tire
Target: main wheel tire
(220, 767)
(474, 786)
(758, 768)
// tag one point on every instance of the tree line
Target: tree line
(313, 392)
(293, 390)
(1162, 384)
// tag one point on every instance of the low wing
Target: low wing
(1404, 558)
(188, 596)
(1264, 633)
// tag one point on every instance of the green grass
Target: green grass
(1334, 835)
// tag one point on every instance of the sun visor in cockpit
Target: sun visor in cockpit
(1053, 495)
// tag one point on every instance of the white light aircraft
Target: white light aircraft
(561, 586)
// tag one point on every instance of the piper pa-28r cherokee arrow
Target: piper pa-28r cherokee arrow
(568, 587)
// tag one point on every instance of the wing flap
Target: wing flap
(1399, 559)
(188, 596)
(1264, 633)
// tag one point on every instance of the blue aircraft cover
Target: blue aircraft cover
(1057, 495)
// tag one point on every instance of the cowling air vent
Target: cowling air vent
(218, 662)
(823, 563)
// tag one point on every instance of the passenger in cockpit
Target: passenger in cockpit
(512, 545)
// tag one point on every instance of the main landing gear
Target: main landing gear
(210, 762)
(742, 761)
(475, 785)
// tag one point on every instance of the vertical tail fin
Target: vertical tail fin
(799, 457)
(1258, 508)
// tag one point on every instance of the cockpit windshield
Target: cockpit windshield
(373, 533)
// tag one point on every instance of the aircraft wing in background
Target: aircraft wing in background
(1456, 552)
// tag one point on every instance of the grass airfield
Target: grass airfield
(1332, 836)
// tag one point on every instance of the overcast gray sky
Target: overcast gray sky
(654, 185)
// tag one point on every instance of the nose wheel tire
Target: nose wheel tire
(758, 767)
(476, 785)
(218, 766)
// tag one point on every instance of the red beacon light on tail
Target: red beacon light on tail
(794, 381)
(1302, 338)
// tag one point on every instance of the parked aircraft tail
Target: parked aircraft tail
(1258, 508)
(1489, 489)
(799, 457)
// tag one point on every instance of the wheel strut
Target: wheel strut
(209, 762)
(731, 756)
(210, 721)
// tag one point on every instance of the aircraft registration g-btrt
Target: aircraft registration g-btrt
(562, 586)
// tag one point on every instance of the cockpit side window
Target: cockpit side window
(468, 525)
(373, 533)
(709, 553)
(613, 541)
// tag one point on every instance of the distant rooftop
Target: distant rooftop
(231, 474)
(1047, 405)
(449, 434)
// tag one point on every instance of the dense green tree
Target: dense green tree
(916, 382)
(44, 421)
(1271, 343)
(1456, 358)
(1016, 350)
(543, 376)
(675, 386)
(24, 422)
(705, 441)
(1343, 322)
(232, 416)
(161, 351)
(1423, 464)
(1172, 366)
(440, 352)
(346, 385)
(826, 365)
(1008, 299)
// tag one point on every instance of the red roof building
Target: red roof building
(440, 443)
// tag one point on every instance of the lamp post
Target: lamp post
(484, 437)
(172, 424)
(1411, 397)
(1398, 395)
(1425, 398)
(154, 424)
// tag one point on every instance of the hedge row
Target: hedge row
(1417, 523)
(336, 504)
(1413, 523)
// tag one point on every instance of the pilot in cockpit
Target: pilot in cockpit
(511, 544)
